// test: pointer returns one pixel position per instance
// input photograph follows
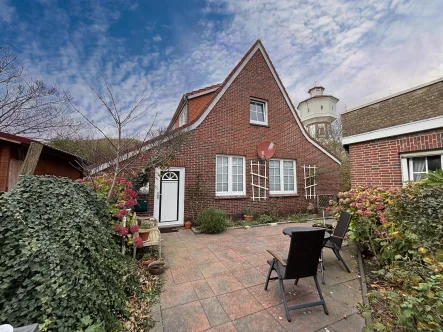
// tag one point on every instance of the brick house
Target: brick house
(397, 138)
(226, 122)
(52, 161)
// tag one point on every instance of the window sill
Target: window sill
(284, 195)
(259, 124)
(231, 197)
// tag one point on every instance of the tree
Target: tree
(121, 151)
(29, 107)
(334, 145)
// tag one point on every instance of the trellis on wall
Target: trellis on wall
(309, 176)
(259, 180)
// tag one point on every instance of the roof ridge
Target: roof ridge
(209, 87)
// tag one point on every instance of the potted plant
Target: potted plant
(188, 224)
(148, 259)
(145, 228)
(248, 215)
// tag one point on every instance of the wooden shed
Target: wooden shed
(52, 161)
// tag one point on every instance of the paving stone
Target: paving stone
(212, 269)
(256, 259)
(347, 293)
(186, 273)
(249, 277)
(239, 304)
(246, 251)
(257, 322)
(224, 283)
(228, 327)
(227, 254)
(206, 257)
(189, 317)
(174, 295)
(308, 319)
(202, 289)
(352, 323)
(214, 311)
(236, 264)
(336, 274)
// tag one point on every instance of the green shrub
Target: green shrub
(265, 219)
(212, 220)
(60, 265)
(407, 241)
(419, 211)
(369, 208)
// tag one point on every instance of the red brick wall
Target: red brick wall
(377, 163)
(226, 130)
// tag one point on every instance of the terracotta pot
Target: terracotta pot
(188, 224)
(248, 218)
(143, 234)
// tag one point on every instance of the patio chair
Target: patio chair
(302, 262)
(336, 239)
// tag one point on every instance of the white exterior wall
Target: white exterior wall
(328, 112)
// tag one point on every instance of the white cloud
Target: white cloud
(352, 48)
(6, 11)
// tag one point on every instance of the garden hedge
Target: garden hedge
(60, 265)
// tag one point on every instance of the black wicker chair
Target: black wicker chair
(302, 262)
(337, 237)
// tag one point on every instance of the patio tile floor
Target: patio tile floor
(215, 283)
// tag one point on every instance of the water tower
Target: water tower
(318, 112)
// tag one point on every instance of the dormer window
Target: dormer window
(183, 118)
(258, 112)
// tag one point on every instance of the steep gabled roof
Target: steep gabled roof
(219, 92)
(257, 47)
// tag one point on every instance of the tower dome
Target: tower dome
(318, 112)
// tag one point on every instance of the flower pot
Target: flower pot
(144, 234)
(188, 224)
(248, 218)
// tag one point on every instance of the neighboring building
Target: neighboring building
(397, 138)
(227, 122)
(52, 161)
(318, 112)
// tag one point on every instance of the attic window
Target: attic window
(258, 112)
(183, 119)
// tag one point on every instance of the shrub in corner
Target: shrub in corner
(212, 220)
(59, 263)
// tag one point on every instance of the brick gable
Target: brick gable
(226, 130)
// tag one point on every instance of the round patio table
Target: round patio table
(288, 231)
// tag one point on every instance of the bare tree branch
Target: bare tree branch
(29, 107)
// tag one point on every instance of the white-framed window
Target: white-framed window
(415, 165)
(230, 175)
(183, 118)
(282, 176)
(258, 112)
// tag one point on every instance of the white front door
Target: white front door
(169, 197)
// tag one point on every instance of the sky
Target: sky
(166, 48)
